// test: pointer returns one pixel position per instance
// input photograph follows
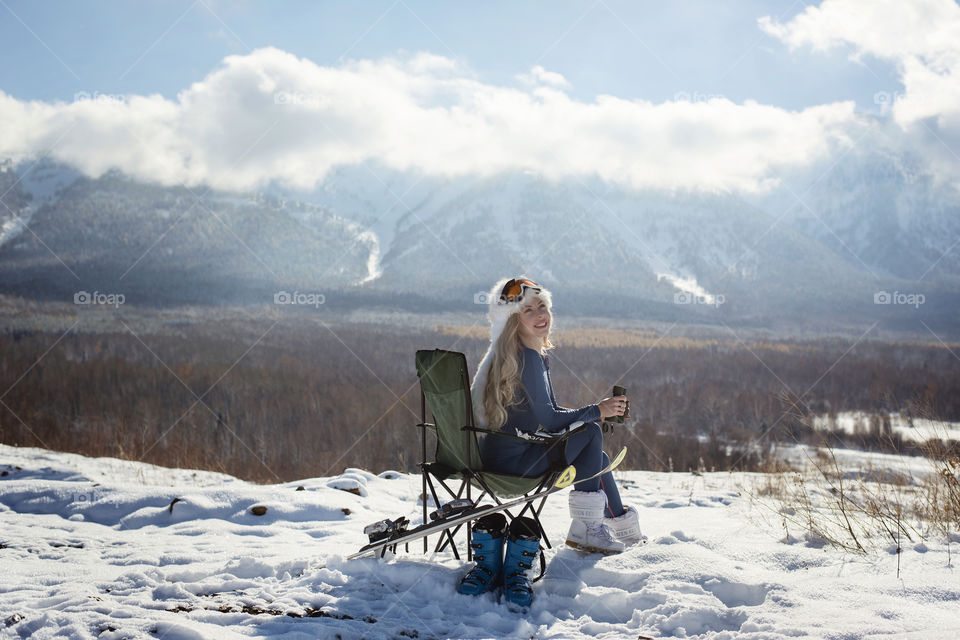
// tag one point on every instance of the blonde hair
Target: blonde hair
(506, 371)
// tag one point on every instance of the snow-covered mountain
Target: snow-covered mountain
(25, 191)
(160, 244)
(878, 211)
(372, 233)
(618, 251)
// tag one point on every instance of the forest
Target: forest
(283, 398)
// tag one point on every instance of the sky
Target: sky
(649, 50)
(704, 94)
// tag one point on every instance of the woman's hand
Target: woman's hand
(614, 406)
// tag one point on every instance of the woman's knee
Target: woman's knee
(593, 431)
(589, 438)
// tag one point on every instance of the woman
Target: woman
(512, 391)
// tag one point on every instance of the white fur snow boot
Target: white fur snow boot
(626, 528)
(587, 530)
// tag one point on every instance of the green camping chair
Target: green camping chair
(445, 391)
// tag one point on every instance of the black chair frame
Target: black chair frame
(470, 476)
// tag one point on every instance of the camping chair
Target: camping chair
(445, 391)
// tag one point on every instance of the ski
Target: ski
(399, 535)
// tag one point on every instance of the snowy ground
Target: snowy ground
(914, 429)
(91, 548)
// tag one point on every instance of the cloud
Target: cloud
(920, 37)
(270, 116)
(540, 76)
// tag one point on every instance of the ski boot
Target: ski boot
(523, 543)
(487, 545)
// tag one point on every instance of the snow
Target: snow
(374, 270)
(689, 285)
(42, 181)
(853, 461)
(99, 548)
(914, 429)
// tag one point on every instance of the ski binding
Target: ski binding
(386, 529)
(452, 508)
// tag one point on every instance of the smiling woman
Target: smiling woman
(513, 392)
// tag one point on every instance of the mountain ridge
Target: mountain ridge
(367, 233)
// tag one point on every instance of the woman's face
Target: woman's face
(534, 320)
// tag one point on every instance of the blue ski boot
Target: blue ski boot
(523, 543)
(487, 545)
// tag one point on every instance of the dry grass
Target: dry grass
(864, 510)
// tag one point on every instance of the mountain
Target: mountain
(378, 236)
(613, 251)
(880, 211)
(23, 192)
(160, 245)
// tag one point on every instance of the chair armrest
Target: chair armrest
(566, 432)
(540, 437)
(503, 435)
(563, 434)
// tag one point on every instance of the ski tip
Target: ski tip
(617, 459)
(566, 477)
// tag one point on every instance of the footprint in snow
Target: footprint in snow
(674, 538)
(734, 594)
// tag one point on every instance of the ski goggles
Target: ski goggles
(516, 288)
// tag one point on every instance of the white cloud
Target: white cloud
(269, 116)
(921, 37)
(884, 28)
(540, 76)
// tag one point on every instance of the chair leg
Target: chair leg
(536, 510)
(447, 537)
(536, 517)
(423, 492)
(436, 500)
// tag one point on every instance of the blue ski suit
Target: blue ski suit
(537, 407)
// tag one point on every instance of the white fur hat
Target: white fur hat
(500, 310)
